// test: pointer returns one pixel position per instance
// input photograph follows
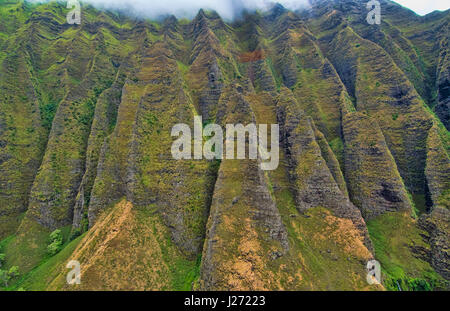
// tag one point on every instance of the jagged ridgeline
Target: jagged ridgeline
(86, 113)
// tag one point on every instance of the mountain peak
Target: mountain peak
(276, 11)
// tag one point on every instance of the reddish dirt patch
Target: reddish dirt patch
(252, 56)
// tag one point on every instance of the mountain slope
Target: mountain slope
(86, 113)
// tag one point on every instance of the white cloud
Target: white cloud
(227, 8)
(188, 8)
(423, 7)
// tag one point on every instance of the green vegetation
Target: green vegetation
(183, 274)
(394, 116)
(7, 275)
(395, 250)
(56, 242)
(41, 276)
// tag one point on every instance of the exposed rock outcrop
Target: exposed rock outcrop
(245, 231)
(437, 225)
(375, 185)
(311, 178)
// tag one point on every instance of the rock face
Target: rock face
(104, 121)
(53, 194)
(313, 182)
(438, 170)
(86, 113)
(375, 185)
(254, 223)
(443, 79)
(21, 139)
(150, 178)
(437, 225)
(245, 228)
